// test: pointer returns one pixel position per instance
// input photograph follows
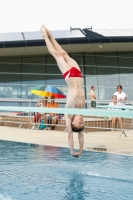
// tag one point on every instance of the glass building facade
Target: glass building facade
(18, 75)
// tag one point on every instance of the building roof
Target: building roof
(78, 36)
(86, 39)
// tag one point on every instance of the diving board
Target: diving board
(117, 107)
(85, 112)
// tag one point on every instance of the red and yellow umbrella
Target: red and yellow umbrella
(48, 91)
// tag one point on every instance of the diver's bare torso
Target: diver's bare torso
(75, 97)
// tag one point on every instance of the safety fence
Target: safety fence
(91, 122)
(14, 118)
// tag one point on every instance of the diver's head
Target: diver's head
(77, 123)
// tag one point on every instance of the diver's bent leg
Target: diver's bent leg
(49, 45)
(63, 66)
(54, 42)
(71, 62)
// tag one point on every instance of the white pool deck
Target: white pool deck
(106, 141)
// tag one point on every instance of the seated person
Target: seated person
(38, 116)
(114, 119)
(51, 118)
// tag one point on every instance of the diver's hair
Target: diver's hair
(76, 129)
(92, 86)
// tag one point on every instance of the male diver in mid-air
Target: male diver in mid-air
(74, 79)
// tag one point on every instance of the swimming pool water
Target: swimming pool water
(32, 172)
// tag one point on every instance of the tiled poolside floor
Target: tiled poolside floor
(102, 141)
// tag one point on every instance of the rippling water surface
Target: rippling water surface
(31, 172)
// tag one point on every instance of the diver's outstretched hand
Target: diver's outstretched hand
(76, 154)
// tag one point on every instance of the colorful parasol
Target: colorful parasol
(48, 91)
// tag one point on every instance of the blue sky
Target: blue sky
(29, 15)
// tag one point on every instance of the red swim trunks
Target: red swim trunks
(73, 72)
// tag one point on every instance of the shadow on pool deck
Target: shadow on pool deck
(98, 149)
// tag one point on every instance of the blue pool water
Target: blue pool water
(31, 172)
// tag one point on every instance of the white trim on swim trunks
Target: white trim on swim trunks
(67, 76)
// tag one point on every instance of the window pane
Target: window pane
(107, 81)
(10, 70)
(10, 91)
(126, 80)
(89, 60)
(26, 92)
(126, 77)
(129, 93)
(106, 93)
(78, 58)
(10, 64)
(52, 67)
(125, 59)
(91, 80)
(90, 73)
(55, 80)
(34, 64)
(34, 70)
(10, 78)
(106, 59)
(107, 76)
(37, 79)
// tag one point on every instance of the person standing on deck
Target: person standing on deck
(93, 97)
